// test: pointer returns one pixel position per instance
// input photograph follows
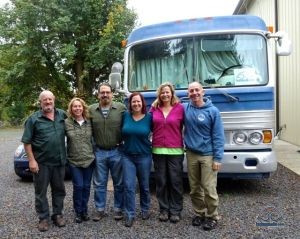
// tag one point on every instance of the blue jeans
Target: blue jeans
(108, 160)
(81, 179)
(136, 166)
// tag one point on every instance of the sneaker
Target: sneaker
(43, 225)
(198, 221)
(85, 217)
(174, 218)
(163, 216)
(98, 216)
(210, 224)
(78, 218)
(145, 215)
(118, 215)
(129, 221)
(59, 221)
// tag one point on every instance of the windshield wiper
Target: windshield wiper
(223, 92)
(230, 97)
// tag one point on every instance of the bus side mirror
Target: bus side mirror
(115, 80)
(115, 75)
(283, 44)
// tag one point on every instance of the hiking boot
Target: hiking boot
(98, 216)
(43, 225)
(59, 221)
(145, 215)
(210, 224)
(198, 221)
(78, 218)
(129, 221)
(174, 218)
(85, 217)
(118, 215)
(163, 216)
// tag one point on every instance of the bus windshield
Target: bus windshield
(223, 60)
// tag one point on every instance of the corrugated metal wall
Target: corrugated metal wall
(263, 9)
(288, 66)
(289, 72)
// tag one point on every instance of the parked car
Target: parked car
(21, 164)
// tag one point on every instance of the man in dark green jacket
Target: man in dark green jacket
(44, 143)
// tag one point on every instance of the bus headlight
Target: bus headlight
(255, 138)
(239, 138)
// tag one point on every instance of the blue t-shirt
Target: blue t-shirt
(136, 134)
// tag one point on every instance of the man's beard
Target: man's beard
(105, 101)
(48, 109)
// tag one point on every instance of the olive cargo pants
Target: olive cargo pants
(203, 185)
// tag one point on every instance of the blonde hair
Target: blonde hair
(85, 112)
(174, 99)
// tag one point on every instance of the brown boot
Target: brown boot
(43, 225)
(59, 221)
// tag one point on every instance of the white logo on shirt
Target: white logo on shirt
(201, 117)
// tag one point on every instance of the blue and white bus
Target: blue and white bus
(231, 57)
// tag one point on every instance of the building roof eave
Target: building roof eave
(241, 7)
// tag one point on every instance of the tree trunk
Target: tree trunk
(79, 78)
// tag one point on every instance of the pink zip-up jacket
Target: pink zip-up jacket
(167, 132)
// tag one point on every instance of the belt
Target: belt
(108, 148)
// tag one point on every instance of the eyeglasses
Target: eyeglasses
(105, 92)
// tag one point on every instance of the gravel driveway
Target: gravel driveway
(249, 209)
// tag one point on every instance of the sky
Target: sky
(155, 11)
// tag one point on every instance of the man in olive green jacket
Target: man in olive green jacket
(106, 118)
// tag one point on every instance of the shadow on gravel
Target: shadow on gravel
(238, 186)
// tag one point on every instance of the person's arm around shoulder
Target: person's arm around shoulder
(65, 115)
(120, 106)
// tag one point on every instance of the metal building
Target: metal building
(282, 15)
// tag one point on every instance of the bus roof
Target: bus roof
(197, 25)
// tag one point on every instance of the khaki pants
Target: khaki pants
(203, 184)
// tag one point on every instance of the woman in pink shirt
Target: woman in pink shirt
(167, 152)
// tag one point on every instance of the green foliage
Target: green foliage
(119, 97)
(16, 113)
(67, 47)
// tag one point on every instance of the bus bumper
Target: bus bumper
(248, 165)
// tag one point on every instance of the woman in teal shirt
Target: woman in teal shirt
(136, 156)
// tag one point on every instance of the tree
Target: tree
(67, 46)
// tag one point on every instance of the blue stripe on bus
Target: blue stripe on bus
(249, 98)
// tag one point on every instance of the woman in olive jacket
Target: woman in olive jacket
(80, 156)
